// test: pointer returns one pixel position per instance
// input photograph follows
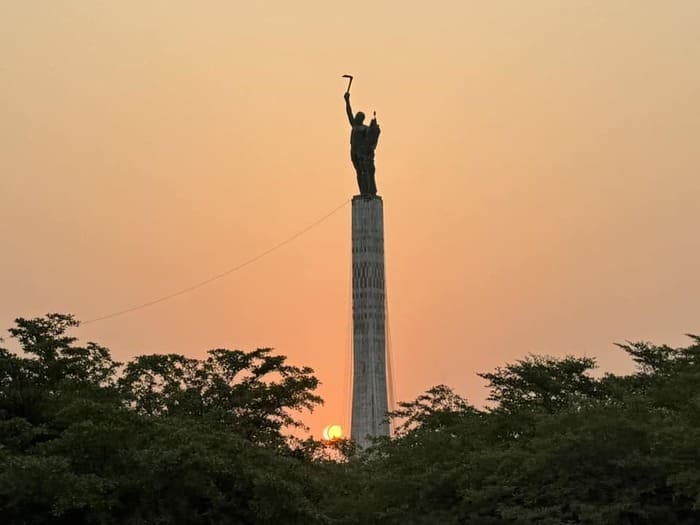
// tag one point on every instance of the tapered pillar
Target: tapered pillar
(369, 391)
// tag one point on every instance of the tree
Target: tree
(558, 446)
(254, 392)
(167, 439)
(170, 439)
(543, 382)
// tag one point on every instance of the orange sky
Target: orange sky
(539, 163)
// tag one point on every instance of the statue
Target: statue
(363, 141)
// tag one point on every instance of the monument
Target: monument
(369, 388)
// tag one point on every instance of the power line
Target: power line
(222, 274)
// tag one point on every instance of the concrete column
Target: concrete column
(369, 390)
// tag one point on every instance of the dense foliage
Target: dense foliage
(166, 440)
(169, 439)
(557, 447)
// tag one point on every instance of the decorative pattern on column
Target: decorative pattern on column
(369, 392)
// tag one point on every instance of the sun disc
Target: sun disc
(332, 432)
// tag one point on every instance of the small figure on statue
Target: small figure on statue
(363, 141)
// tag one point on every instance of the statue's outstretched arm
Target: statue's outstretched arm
(348, 109)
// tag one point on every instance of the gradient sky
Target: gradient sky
(539, 162)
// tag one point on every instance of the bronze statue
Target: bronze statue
(363, 141)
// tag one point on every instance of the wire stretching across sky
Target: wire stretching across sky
(222, 274)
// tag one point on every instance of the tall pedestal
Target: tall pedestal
(369, 391)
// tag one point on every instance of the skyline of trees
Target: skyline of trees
(168, 439)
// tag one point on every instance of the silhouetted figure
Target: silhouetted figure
(363, 141)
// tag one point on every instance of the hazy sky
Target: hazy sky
(539, 163)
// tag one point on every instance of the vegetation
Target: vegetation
(168, 439)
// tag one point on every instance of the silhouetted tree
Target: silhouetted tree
(168, 440)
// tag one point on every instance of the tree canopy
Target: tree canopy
(162, 439)
(171, 439)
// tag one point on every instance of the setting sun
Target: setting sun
(332, 432)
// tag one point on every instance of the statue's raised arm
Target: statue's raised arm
(348, 109)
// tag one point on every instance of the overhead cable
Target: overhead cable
(222, 274)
